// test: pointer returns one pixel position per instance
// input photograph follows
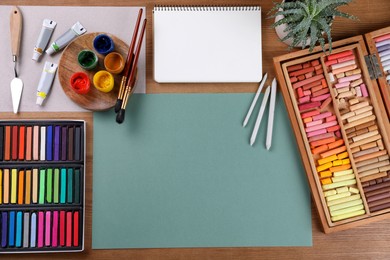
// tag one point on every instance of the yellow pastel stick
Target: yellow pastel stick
(342, 200)
(347, 210)
(35, 186)
(325, 174)
(338, 196)
(348, 215)
(338, 184)
(345, 205)
(341, 173)
(13, 185)
(343, 155)
(343, 178)
(327, 159)
(337, 163)
(346, 161)
(324, 167)
(330, 193)
(342, 189)
(354, 190)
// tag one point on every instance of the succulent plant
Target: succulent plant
(308, 22)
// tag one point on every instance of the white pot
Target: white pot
(280, 31)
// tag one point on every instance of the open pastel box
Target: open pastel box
(338, 105)
(42, 176)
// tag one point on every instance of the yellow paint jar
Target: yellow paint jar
(103, 81)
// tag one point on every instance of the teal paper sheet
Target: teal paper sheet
(179, 172)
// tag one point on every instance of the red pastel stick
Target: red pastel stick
(301, 72)
(340, 55)
(14, 142)
(62, 228)
(310, 105)
(346, 58)
(294, 67)
(69, 228)
(309, 114)
(330, 62)
(76, 229)
(21, 142)
(382, 38)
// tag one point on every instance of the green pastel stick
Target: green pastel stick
(56, 185)
(42, 175)
(70, 186)
(63, 186)
(49, 186)
(77, 186)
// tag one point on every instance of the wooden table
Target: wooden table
(367, 242)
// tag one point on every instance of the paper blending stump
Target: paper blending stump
(118, 21)
(180, 173)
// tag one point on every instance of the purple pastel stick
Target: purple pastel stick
(63, 143)
(383, 48)
(57, 143)
(4, 222)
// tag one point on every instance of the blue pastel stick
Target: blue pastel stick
(33, 234)
(63, 186)
(19, 229)
(11, 233)
(4, 228)
(49, 143)
(57, 143)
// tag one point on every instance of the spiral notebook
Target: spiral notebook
(207, 44)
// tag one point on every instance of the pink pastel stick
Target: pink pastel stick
(47, 229)
(318, 132)
(337, 133)
(304, 99)
(311, 113)
(69, 228)
(321, 116)
(350, 78)
(342, 85)
(313, 123)
(322, 126)
(320, 98)
(331, 118)
(320, 137)
(309, 105)
(382, 38)
(54, 242)
(363, 88)
(306, 92)
(307, 81)
(40, 228)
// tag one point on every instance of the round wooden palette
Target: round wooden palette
(94, 100)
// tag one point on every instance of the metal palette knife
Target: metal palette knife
(16, 33)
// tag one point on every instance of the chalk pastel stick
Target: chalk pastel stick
(363, 88)
(33, 234)
(49, 143)
(69, 191)
(343, 64)
(21, 148)
(322, 126)
(42, 188)
(342, 85)
(11, 229)
(68, 228)
(57, 143)
(34, 196)
(14, 174)
(19, 229)
(36, 143)
(307, 81)
(348, 215)
(344, 69)
(54, 242)
(4, 229)
(382, 38)
(346, 58)
(77, 186)
(62, 228)
(1, 186)
(43, 144)
(340, 55)
(56, 186)
(47, 228)
(41, 228)
(26, 229)
(301, 72)
(29, 142)
(20, 186)
(49, 185)
(315, 133)
(14, 143)
(77, 144)
(310, 105)
(383, 47)
(310, 114)
(338, 196)
(350, 78)
(63, 186)
(6, 186)
(320, 98)
(76, 228)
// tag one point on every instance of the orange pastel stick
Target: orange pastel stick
(21, 187)
(344, 69)
(323, 141)
(320, 149)
(340, 168)
(307, 120)
(334, 151)
(326, 181)
(325, 174)
(333, 128)
(336, 144)
(339, 55)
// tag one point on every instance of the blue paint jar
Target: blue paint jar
(103, 44)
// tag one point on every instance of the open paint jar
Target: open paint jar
(103, 44)
(87, 59)
(80, 83)
(114, 63)
(103, 81)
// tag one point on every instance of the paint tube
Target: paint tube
(43, 38)
(76, 30)
(47, 78)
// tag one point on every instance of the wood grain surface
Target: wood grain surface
(94, 100)
(371, 241)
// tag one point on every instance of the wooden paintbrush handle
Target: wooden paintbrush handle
(16, 30)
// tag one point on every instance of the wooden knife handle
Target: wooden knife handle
(16, 30)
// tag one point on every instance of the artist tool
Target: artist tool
(271, 115)
(260, 116)
(254, 101)
(16, 24)
(130, 84)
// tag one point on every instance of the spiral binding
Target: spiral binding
(200, 8)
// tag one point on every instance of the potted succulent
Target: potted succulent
(302, 23)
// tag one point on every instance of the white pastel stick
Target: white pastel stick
(248, 115)
(271, 114)
(385, 58)
(384, 53)
(260, 116)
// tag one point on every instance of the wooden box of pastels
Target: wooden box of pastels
(342, 129)
(42, 186)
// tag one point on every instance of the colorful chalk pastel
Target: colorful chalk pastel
(69, 191)
(4, 228)
(41, 228)
(42, 186)
(54, 236)
(49, 143)
(69, 228)
(26, 229)
(57, 143)
(343, 64)
(62, 228)
(11, 229)
(63, 186)
(350, 78)
(340, 55)
(33, 233)
(47, 228)
(19, 229)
